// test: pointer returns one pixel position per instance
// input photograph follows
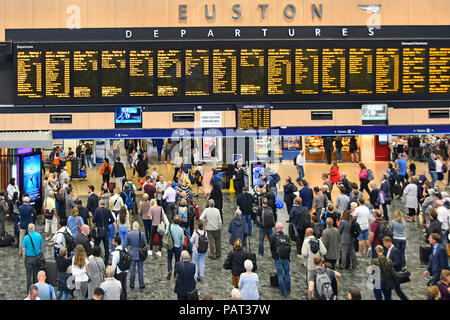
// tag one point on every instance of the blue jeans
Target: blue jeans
(89, 160)
(433, 175)
(123, 231)
(339, 153)
(248, 218)
(159, 153)
(401, 245)
(301, 173)
(148, 228)
(16, 225)
(170, 253)
(284, 279)
(262, 233)
(60, 294)
(112, 233)
(140, 265)
(105, 244)
(401, 179)
(379, 293)
(196, 259)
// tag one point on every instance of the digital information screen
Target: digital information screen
(128, 117)
(85, 74)
(253, 117)
(257, 171)
(307, 71)
(360, 70)
(224, 71)
(29, 74)
(169, 73)
(141, 73)
(113, 73)
(57, 74)
(227, 72)
(388, 70)
(279, 73)
(252, 71)
(333, 71)
(197, 72)
(32, 176)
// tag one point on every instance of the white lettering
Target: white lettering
(371, 32)
(210, 33)
(344, 32)
(74, 20)
(128, 34)
(318, 32)
(182, 32)
(237, 33)
(291, 32)
(156, 33)
(264, 31)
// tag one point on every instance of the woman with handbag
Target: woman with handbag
(80, 269)
(96, 271)
(159, 222)
(74, 223)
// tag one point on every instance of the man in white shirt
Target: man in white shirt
(111, 286)
(120, 275)
(213, 224)
(59, 240)
(63, 176)
(116, 201)
(363, 218)
(161, 186)
(299, 164)
(33, 293)
(312, 246)
(170, 196)
(444, 217)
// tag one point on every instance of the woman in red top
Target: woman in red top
(363, 178)
(335, 176)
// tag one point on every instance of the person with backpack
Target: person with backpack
(319, 280)
(311, 247)
(187, 216)
(59, 239)
(119, 173)
(386, 270)
(319, 201)
(280, 246)
(245, 204)
(129, 198)
(102, 219)
(158, 220)
(300, 220)
(238, 228)
(349, 231)
(266, 221)
(136, 242)
(121, 262)
(235, 261)
(378, 230)
(105, 171)
(199, 241)
(363, 178)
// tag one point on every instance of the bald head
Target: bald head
(279, 227)
(109, 271)
(41, 276)
(85, 229)
(329, 222)
(309, 232)
(31, 227)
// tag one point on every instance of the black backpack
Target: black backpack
(355, 229)
(385, 229)
(78, 151)
(70, 242)
(202, 243)
(124, 260)
(267, 218)
(314, 245)
(283, 246)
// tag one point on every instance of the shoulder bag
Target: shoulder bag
(48, 213)
(99, 232)
(142, 249)
(102, 272)
(162, 226)
(40, 259)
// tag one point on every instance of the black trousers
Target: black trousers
(122, 277)
(299, 240)
(400, 293)
(328, 154)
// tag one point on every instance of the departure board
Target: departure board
(253, 117)
(169, 73)
(57, 74)
(414, 71)
(29, 74)
(113, 73)
(307, 71)
(197, 72)
(387, 70)
(252, 71)
(360, 66)
(224, 71)
(141, 73)
(85, 74)
(439, 70)
(333, 70)
(279, 72)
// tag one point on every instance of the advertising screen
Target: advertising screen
(32, 176)
(257, 171)
(128, 117)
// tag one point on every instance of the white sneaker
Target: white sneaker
(150, 252)
(158, 254)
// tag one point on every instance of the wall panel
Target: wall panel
(128, 13)
(101, 14)
(18, 14)
(155, 13)
(46, 13)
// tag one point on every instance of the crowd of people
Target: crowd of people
(329, 235)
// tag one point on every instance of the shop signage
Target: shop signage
(211, 119)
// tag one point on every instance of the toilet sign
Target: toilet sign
(211, 119)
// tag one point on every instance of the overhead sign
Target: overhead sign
(211, 119)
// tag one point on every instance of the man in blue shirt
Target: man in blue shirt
(46, 291)
(103, 218)
(178, 241)
(401, 169)
(31, 247)
(306, 194)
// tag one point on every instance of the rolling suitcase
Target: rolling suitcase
(425, 252)
(274, 280)
(51, 272)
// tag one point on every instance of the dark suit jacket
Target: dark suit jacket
(307, 197)
(92, 203)
(438, 261)
(185, 280)
(396, 258)
(239, 181)
(133, 243)
(85, 242)
(245, 203)
(83, 213)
